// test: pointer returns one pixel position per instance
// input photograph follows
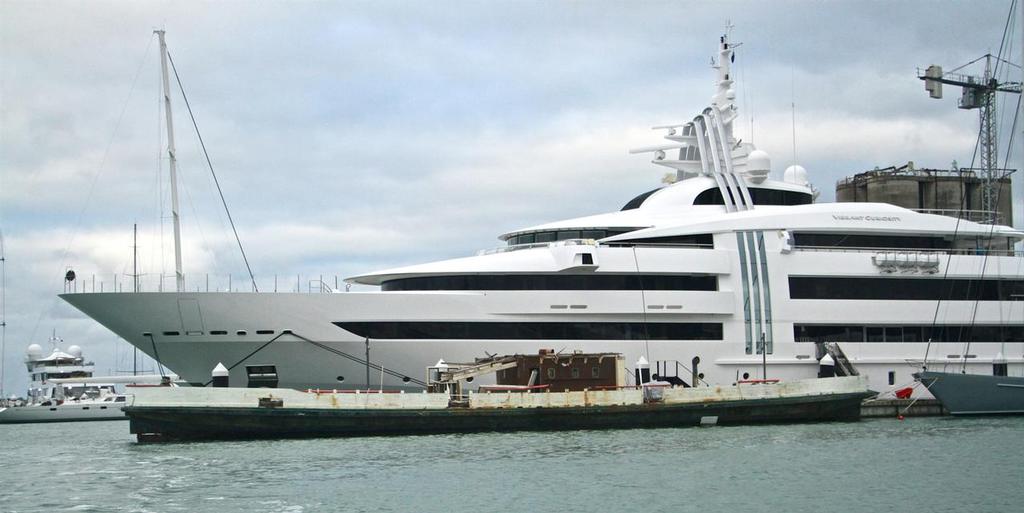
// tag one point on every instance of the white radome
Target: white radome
(75, 351)
(34, 351)
(795, 174)
(759, 165)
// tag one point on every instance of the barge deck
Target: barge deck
(168, 414)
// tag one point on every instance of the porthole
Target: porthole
(341, 379)
(171, 333)
(406, 379)
(469, 379)
(241, 333)
(264, 332)
(746, 375)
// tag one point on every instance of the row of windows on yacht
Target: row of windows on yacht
(535, 330)
(555, 282)
(800, 287)
(713, 196)
(913, 333)
(907, 289)
(672, 331)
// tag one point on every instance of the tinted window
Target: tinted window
(924, 289)
(913, 333)
(637, 201)
(551, 236)
(758, 195)
(555, 282)
(536, 330)
(703, 240)
(841, 240)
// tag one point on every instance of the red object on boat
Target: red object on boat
(904, 393)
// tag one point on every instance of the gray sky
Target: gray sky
(362, 135)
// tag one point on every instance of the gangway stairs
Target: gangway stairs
(843, 365)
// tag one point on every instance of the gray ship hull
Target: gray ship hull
(976, 394)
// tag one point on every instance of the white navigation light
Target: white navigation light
(796, 174)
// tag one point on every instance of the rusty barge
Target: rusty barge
(213, 413)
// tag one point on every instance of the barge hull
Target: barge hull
(170, 423)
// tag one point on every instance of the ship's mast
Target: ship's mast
(3, 313)
(135, 287)
(178, 274)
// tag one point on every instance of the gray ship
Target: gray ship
(975, 394)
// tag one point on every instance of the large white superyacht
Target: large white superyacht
(722, 263)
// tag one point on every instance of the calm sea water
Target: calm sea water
(920, 464)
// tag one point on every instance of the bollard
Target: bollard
(826, 367)
(220, 376)
(643, 371)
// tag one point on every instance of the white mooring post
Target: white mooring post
(220, 376)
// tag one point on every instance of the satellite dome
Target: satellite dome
(759, 164)
(34, 351)
(75, 351)
(796, 174)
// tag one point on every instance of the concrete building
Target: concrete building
(956, 192)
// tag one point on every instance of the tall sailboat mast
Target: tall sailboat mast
(179, 275)
(135, 288)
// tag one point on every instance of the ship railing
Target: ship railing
(533, 245)
(591, 242)
(106, 283)
(977, 216)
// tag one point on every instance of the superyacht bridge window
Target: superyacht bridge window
(910, 289)
(536, 330)
(555, 282)
(759, 195)
(913, 333)
(556, 235)
(639, 200)
(700, 240)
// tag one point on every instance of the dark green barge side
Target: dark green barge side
(414, 414)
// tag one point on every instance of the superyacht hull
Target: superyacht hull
(298, 334)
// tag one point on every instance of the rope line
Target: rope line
(213, 173)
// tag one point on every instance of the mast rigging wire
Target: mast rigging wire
(984, 264)
(977, 147)
(213, 173)
(92, 183)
